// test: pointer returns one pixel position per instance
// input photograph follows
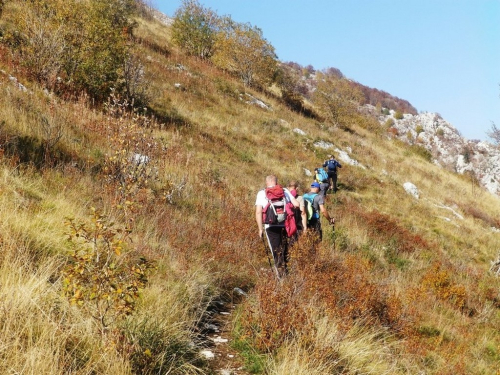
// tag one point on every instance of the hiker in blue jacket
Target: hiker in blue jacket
(331, 164)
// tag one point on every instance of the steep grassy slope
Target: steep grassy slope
(401, 286)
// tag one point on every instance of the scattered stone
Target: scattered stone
(411, 189)
(344, 156)
(219, 340)
(224, 313)
(211, 327)
(239, 291)
(19, 85)
(299, 131)
(450, 209)
(323, 145)
(257, 102)
(177, 85)
(207, 354)
(307, 172)
(139, 159)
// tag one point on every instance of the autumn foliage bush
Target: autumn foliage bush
(438, 279)
(343, 286)
(384, 229)
(103, 276)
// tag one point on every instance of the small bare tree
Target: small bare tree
(44, 46)
(52, 130)
(494, 134)
(135, 82)
(495, 266)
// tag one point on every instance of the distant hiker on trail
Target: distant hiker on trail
(315, 206)
(331, 164)
(321, 177)
(270, 215)
(300, 213)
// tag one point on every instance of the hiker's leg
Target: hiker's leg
(330, 179)
(274, 235)
(334, 182)
(284, 251)
(323, 189)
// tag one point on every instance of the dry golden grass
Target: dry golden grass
(403, 285)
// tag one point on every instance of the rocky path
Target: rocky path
(222, 358)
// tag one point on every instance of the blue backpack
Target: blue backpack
(323, 175)
(332, 165)
(311, 212)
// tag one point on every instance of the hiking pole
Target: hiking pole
(269, 259)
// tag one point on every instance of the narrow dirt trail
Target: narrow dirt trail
(223, 360)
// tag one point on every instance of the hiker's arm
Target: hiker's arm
(323, 210)
(303, 216)
(258, 218)
(294, 201)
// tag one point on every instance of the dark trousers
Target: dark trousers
(323, 188)
(333, 176)
(277, 241)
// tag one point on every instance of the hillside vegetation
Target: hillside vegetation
(127, 212)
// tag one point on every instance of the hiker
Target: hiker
(300, 213)
(321, 177)
(315, 203)
(331, 164)
(269, 209)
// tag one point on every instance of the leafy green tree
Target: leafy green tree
(336, 99)
(195, 28)
(86, 43)
(98, 49)
(241, 49)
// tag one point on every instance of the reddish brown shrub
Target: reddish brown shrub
(393, 131)
(383, 228)
(477, 213)
(280, 313)
(342, 286)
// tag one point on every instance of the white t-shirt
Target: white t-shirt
(262, 200)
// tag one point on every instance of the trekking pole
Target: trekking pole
(269, 259)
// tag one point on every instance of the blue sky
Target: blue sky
(441, 55)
